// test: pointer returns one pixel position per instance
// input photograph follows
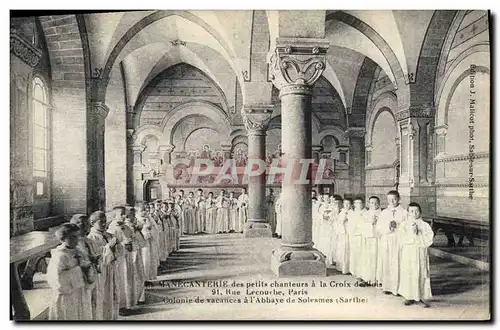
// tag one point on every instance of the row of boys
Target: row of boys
(99, 270)
(384, 248)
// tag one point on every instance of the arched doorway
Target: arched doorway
(152, 191)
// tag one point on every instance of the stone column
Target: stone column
(295, 66)
(226, 150)
(96, 192)
(137, 176)
(315, 152)
(256, 119)
(440, 132)
(356, 136)
(166, 157)
(416, 183)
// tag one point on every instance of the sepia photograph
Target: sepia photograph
(250, 165)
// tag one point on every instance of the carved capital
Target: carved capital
(256, 122)
(297, 61)
(25, 51)
(355, 132)
(226, 146)
(441, 130)
(100, 109)
(317, 148)
(166, 148)
(421, 111)
(138, 149)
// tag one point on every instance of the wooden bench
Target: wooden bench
(471, 229)
(24, 247)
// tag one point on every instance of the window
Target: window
(40, 138)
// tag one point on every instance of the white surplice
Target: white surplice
(369, 248)
(342, 245)
(128, 277)
(70, 299)
(149, 251)
(107, 283)
(354, 225)
(243, 200)
(415, 282)
(388, 248)
(329, 233)
(278, 207)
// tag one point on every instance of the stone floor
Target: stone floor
(460, 292)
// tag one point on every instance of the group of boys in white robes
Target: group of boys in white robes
(100, 268)
(209, 214)
(383, 248)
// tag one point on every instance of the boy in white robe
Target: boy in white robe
(370, 241)
(138, 243)
(155, 233)
(388, 228)
(169, 231)
(211, 214)
(172, 220)
(243, 209)
(69, 299)
(270, 212)
(92, 258)
(317, 212)
(107, 283)
(200, 212)
(156, 215)
(342, 246)
(125, 263)
(355, 239)
(279, 208)
(149, 251)
(329, 231)
(233, 214)
(415, 238)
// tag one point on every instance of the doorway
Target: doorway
(152, 191)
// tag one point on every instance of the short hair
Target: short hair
(313, 191)
(348, 199)
(414, 204)
(337, 198)
(375, 197)
(130, 211)
(77, 219)
(96, 216)
(359, 198)
(224, 190)
(191, 192)
(66, 230)
(181, 191)
(199, 189)
(394, 193)
(119, 208)
(211, 193)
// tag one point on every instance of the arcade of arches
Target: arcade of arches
(121, 97)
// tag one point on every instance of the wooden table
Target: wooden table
(22, 248)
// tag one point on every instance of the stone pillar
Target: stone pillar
(440, 133)
(416, 183)
(368, 154)
(316, 152)
(356, 136)
(256, 119)
(137, 176)
(226, 150)
(96, 192)
(295, 66)
(166, 157)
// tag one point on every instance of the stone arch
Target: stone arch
(478, 55)
(141, 99)
(194, 131)
(389, 142)
(385, 102)
(362, 92)
(195, 108)
(422, 91)
(145, 131)
(336, 131)
(146, 21)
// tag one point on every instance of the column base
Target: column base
(257, 229)
(292, 262)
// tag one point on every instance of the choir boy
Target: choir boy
(416, 237)
(69, 298)
(107, 283)
(370, 241)
(342, 246)
(388, 228)
(355, 239)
